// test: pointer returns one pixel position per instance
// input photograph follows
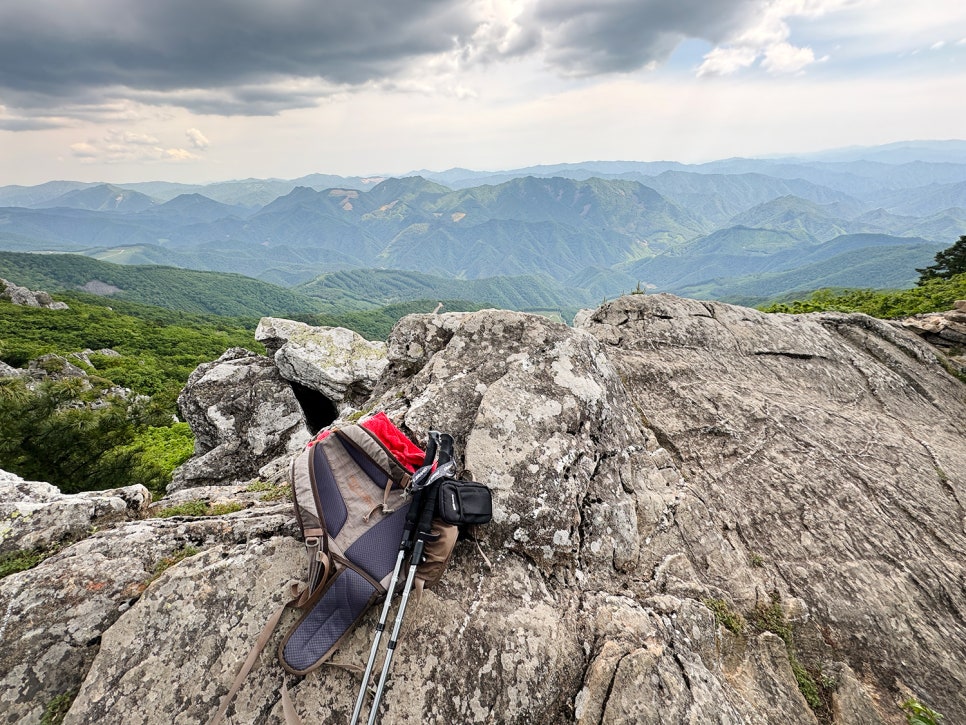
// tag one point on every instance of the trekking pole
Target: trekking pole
(405, 546)
(423, 532)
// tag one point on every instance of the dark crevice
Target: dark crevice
(317, 410)
(782, 353)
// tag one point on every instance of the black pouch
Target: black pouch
(464, 503)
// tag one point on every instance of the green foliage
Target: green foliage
(771, 617)
(918, 714)
(72, 437)
(725, 615)
(56, 710)
(199, 507)
(20, 560)
(168, 561)
(220, 509)
(177, 289)
(806, 684)
(949, 263)
(158, 350)
(270, 492)
(159, 450)
(80, 439)
(933, 295)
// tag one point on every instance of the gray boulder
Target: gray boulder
(22, 296)
(55, 367)
(35, 515)
(243, 416)
(944, 330)
(338, 363)
(703, 514)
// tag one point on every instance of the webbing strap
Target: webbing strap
(260, 643)
(319, 563)
(288, 708)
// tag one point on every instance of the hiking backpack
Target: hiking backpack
(356, 491)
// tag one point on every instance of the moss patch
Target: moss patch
(270, 492)
(56, 710)
(21, 560)
(771, 617)
(169, 561)
(725, 615)
(199, 507)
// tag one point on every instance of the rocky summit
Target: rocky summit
(702, 514)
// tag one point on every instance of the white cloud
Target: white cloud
(725, 61)
(767, 37)
(84, 150)
(786, 58)
(197, 139)
(937, 45)
(177, 154)
(120, 147)
(129, 138)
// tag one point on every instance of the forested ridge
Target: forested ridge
(119, 425)
(87, 437)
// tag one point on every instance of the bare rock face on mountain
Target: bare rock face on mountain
(945, 330)
(338, 363)
(702, 513)
(35, 515)
(243, 416)
(23, 296)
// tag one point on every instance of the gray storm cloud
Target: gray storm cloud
(589, 37)
(254, 57)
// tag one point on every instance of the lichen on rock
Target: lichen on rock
(702, 514)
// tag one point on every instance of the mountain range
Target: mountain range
(550, 236)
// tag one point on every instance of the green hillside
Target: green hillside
(368, 288)
(176, 289)
(935, 295)
(80, 440)
(804, 219)
(890, 267)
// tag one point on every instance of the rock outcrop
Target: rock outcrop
(339, 364)
(243, 416)
(944, 330)
(703, 514)
(22, 296)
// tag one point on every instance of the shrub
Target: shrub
(20, 560)
(919, 714)
(725, 615)
(56, 710)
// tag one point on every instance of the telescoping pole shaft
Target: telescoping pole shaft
(423, 532)
(383, 618)
(394, 637)
(405, 547)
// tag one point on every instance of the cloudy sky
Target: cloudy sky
(181, 90)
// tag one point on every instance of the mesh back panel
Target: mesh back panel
(378, 476)
(334, 511)
(376, 550)
(331, 617)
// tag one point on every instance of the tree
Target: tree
(61, 433)
(949, 262)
